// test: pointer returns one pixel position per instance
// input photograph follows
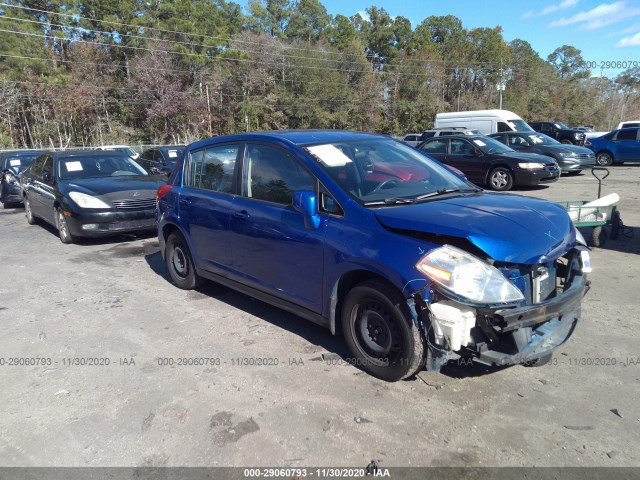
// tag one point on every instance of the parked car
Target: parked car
(89, 193)
(440, 132)
(570, 158)
(160, 159)
(126, 149)
(12, 164)
(560, 132)
(370, 238)
(486, 161)
(616, 147)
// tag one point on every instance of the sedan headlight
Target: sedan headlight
(468, 277)
(531, 165)
(567, 154)
(87, 201)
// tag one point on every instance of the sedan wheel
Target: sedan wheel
(604, 159)
(63, 228)
(31, 220)
(501, 179)
(379, 332)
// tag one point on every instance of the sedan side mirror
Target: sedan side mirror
(306, 202)
(46, 176)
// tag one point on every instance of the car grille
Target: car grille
(586, 156)
(134, 204)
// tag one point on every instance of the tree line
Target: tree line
(129, 71)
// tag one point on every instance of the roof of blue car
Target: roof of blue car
(298, 137)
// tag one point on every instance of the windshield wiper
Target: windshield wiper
(390, 201)
(444, 191)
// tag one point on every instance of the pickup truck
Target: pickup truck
(560, 132)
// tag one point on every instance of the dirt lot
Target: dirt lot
(112, 301)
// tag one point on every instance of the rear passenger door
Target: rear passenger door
(272, 250)
(204, 204)
(462, 155)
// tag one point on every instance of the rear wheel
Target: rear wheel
(501, 179)
(180, 263)
(604, 159)
(379, 332)
(63, 227)
(31, 220)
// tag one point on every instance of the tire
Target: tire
(501, 179)
(31, 220)
(180, 263)
(598, 237)
(604, 159)
(379, 332)
(539, 362)
(63, 227)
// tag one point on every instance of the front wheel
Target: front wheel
(180, 263)
(604, 159)
(379, 332)
(31, 220)
(501, 179)
(63, 227)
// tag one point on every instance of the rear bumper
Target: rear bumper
(100, 224)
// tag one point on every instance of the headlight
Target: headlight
(87, 201)
(531, 165)
(577, 136)
(467, 276)
(10, 178)
(566, 154)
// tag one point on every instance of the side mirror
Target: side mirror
(477, 153)
(306, 202)
(46, 176)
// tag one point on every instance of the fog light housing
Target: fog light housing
(90, 226)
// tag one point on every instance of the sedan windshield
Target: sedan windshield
(76, 167)
(520, 126)
(386, 171)
(542, 139)
(491, 145)
(18, 163)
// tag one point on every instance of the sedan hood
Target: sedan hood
(528, 157)
(508, 228)
(568, 149)
(104, 186)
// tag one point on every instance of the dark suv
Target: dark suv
(560, 132)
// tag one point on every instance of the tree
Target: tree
(568, 62)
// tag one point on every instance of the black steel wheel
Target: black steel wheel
(380, 333)
(180, 263)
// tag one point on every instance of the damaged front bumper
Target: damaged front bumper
(501, 336)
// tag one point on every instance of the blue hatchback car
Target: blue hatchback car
(616, 147)
(372, 239)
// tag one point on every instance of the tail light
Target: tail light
(586, 142)
(162, 191)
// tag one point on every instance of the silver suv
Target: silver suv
(439, 132)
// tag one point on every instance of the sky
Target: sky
(605, 31)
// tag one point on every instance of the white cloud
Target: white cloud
(599, 17)
(563, 5)
(633, 41)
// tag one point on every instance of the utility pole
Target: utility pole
(501, 85)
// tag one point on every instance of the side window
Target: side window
(503, 127)
(37, 165)
(627, 134)
(212, 168)
(515, 140)
(328, 204)
(501, 138)
(273, 175)
(47, 170)
(436, 146)
(461, 147)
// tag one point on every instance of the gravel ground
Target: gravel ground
(111, 301)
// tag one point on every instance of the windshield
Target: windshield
(520, 126)
(542, 139)
(76, 167)
(17, 163)
(491, 145)
(384, 170)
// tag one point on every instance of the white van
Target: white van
(487, 121)
(628, 124)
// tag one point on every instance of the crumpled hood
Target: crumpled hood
(509, 228)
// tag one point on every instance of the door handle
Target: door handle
(185, 202)
(242, 215)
